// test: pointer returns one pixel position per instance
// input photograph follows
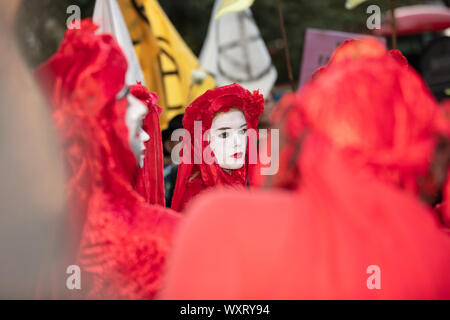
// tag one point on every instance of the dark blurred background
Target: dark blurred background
(41, 24)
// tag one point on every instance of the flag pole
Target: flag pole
(394, 26)
(286, 48)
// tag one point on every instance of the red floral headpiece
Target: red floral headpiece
(222, 99)
(148, 98)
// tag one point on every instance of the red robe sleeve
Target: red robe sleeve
(122, 257)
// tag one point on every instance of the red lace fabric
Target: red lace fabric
(194, 178)
(382, 115)
(150, 179)
(121, 242)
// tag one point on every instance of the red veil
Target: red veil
(150, 179)
(203, 109)
(120, 241)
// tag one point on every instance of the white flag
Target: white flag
(234, 51)
(108, 17)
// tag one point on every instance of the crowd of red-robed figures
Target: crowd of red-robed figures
(364, 152)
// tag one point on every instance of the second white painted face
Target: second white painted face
(137, 137)
(229, 139)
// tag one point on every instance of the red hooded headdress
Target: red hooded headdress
(120, 241)
(150, 179)
(193, 178)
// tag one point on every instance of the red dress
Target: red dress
(192, 178)
(120, 241)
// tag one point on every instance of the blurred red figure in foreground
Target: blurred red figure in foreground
(121, 242)
(345, 230)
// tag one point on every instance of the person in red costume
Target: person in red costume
(120, 241)
(423, 173)
(391, 134)
(150, 178)
(224, 116)
(340, 227)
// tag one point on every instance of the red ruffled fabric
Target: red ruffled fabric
(443, 209)
(194, 178)
(150, 179)
(120, 242)
(397, 55)
(382, 115)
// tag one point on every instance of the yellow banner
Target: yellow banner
(350, 4)
(170, 68)
(229, 6)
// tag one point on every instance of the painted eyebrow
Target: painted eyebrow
(227, 128)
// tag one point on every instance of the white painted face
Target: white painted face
(229, 139)
(134, 116)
